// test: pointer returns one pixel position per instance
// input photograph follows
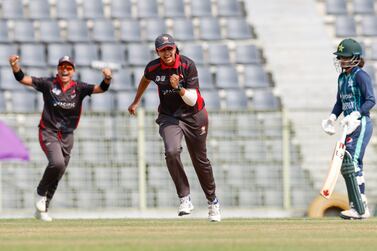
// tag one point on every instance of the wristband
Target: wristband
(19, 75)
(179, 88)
(104, 86)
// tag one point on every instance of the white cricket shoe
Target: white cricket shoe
(352, 214)
(214, 212)
(40, 202)
(185, 206)
(43, 216)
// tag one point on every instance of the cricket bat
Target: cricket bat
(335, 165)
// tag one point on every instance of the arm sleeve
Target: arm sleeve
(40, 84)
(337, 109)
(192, 79)
(366, 88)
(85, 89)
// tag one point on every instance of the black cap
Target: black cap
(66, 59)
(164, 40)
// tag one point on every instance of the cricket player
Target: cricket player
(181, 114)
(61, 114)
(355, 98)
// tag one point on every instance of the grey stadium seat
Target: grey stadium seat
(7, 80)
(205, 78)
(147, 8)
(113, 52)
(103, 103)
(77, 31)
(4, 37)
(90, 76)
(12, 9)
(49, 31)
(345, 26)
(236, 99)
(85, 54)
(183, 29)
(363, 6)
(130, 30)
(211, 99)
(56, 51)
(124, 99)
(155, 27)
(336, 7)
(218, 54)
(103, 31)
(33, 55)
(122, 80)
(369, 26)
(39, 9)
(229, 8)
(2, 102)
(248, 54)
(23, 101)
(151, 99)
(195, 52)
(255, 77)
(66, 9)
(93, 9)
(174, 8)
(5, 51)
(373, 53)
(121, 8)
(201, 8)
(264, 100)
(209, 28)
(24, 31)
(226, 77)
(238, 28)
(138, 54)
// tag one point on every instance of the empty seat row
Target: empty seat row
(128, 30)
(42, 9)
(340, 7)
(346, 26)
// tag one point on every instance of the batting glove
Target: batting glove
(352, 121)
(328, 124)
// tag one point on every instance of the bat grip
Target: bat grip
(344, 133)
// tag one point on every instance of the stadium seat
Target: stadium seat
(369, 25)
(201, 8)
(39, 9)
(77, 31)
(174, 8)
(218, 54)
(93, 9)
(121, 9)
(264, 100)
(209, 28)
(255, 77)
(38, 72)
(6, 50)
(23, 101)
(130, 31)
(33, 55)
(122, 80)
(2, 101)
(373, 52)
(57, 50)
(248, 54)
(103, 31)
(12, 9)
(4, 37)
(66, 9)
(7, 80)
(236, 99)
(226, 77)
(154, 27)
(23, 31)
(90, 76)
(183, 29)
(363, 7)
(147, 9)
(138, 54)
(238, 28)
(228, 8)
(195, 52)
(205, 78)
(124, 99)
(211, 99)
(151, 99)
(336, 7)
(85, 54)
(49, 31)
(345, 26)
(113, 53)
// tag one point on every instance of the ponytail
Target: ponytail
(361, 63)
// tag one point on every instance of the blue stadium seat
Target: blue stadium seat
(363, 7)
(201, 8)
(130, 30)
(154, 27)
(77, 31)
(4, 37)
(85, 54)
(205, 78)
(336, 7)
(103, 103)
(151, 99)
(93, 9)
(5, 51)
(122, 80)
(90, 76)
(218, 54)
(210, 28)
(256, 77)
(147, 9)
(183, 29)
(103, 31)
(238, 28)
(369, 25)
(56, 51)
(23, 101)
(7, 80)
(229, 8)
(121, 9)
(138, 54)
(49, 31)
(211, 99)
(227, 77)
(39, 9)
(124, 99)
(264, 100)
(174, 8)
(66, 9)
(113, 53)
(236, 99)
(248, 54)
(24, 31)
(345, 26)
(12, 9)
(33, 55)
(195, 52)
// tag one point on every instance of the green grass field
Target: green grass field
(188, 234)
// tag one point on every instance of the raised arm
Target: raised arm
(18, 74)
(105, 84)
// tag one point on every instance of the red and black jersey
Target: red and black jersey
(62, 109)
(171, 102)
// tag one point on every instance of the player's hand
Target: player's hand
(174, 81)
(352, 121)
(132, 108)
(13, 60)
(328, 124)
(107, 75)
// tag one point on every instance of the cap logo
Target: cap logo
(340, 48)
(166, 39)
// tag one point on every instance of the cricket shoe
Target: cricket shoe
(352, 214)
(40, 202)
(214, 211)
(43, 216)
(185, 206)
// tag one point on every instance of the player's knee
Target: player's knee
(172, 152)
(58, 164)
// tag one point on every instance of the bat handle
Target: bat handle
(344, 134)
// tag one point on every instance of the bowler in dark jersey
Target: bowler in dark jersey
(62, 98)
(181, 114)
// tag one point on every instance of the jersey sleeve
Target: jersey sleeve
(337, 109)
(40, 84)
(147, 72)
(85, 89)
(192, 79)
(366, 88)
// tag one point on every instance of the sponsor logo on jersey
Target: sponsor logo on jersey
(160, 78)
(56, 91)
(65, 105)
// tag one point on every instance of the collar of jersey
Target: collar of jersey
(62, 87)
(175, 66)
